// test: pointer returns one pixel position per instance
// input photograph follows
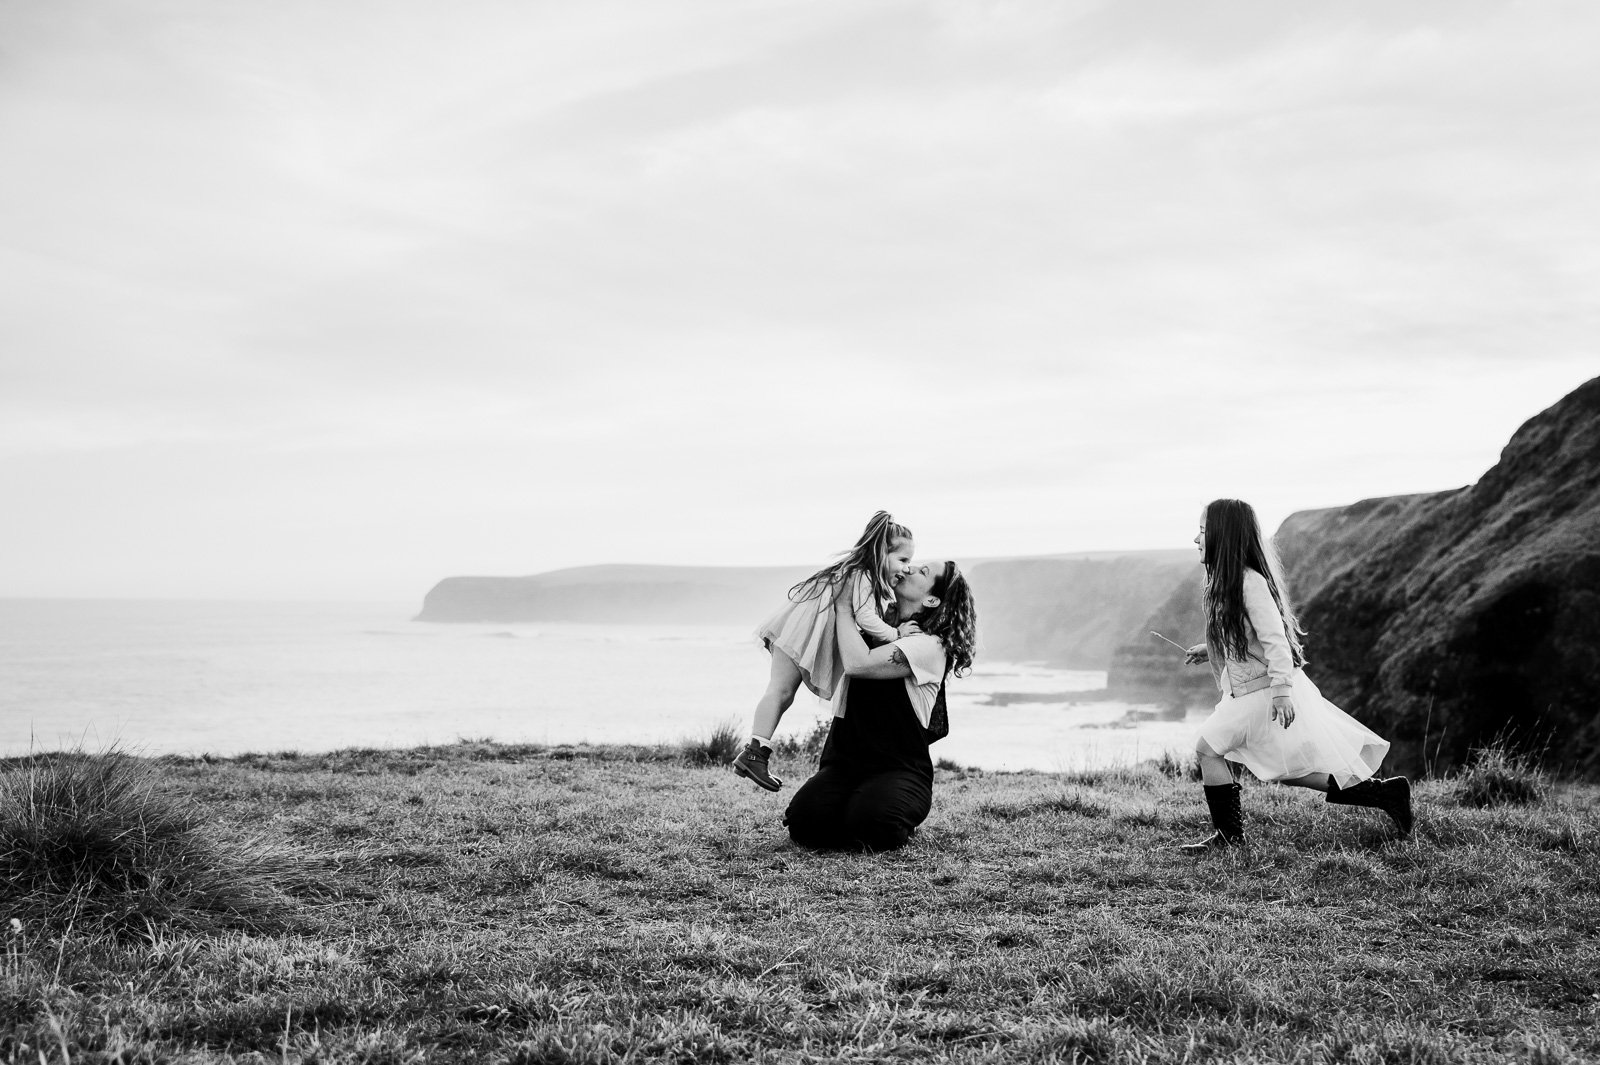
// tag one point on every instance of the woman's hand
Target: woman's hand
(1196, 655)
(1283, 709)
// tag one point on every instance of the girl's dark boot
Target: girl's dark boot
(751, 763)
(1227, 816)
(1392, 795)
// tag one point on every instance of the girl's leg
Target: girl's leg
(1222, 801)
(1392, 795)
(782, 684)
(753, 762)
(1314, 781)
(1214, 768)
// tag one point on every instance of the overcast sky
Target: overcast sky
(333, 298)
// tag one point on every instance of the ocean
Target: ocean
(158, 677)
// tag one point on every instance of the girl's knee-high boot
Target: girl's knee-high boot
(1227, 816)
(1392, 795)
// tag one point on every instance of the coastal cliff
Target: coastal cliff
(1447, 620)
(1143, 667)
(689, 595)
(1067, 611)
(1474, 614)
(1313, 546)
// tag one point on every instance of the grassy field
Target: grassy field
(494, 903)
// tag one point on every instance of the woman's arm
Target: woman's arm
(860, 660)
(864, 607)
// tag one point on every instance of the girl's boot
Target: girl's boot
(1227, 816)
(1392, 795)
(751, 763)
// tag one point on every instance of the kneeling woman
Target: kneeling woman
(1271, 717)
(875, 783)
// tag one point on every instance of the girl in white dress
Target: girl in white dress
(1271, 717)
(801, 637)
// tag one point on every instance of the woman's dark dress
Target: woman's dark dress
(875, 783)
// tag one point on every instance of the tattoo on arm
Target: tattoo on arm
(898, 657)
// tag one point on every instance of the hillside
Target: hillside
(1068, 610)
(1145, 667)
(617, 593)
(1476, 612)
(1313, 546)
(1445, 620)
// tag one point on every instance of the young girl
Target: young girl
(1271, 717)
(801, 636)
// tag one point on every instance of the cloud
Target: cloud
(713, 280)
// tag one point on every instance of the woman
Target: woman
(1271, 717)
(875, 783)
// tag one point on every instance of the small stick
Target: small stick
(1179, 646)
(780, 963)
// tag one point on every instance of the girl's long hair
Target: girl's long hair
(867, 556)
(1233, 544)
(955, 620)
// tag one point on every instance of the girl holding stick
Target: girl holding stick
(1271, 717)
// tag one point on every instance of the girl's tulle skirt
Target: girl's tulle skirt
(804, 631)
(1322, 738)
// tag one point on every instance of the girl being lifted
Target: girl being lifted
(801, 636)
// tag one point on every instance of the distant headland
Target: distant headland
(1068, 610)
(1449, 620)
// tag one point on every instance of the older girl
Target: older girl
(1271, 717)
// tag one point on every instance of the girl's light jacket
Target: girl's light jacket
(1268, 662)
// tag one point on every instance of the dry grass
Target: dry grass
(717, 747)
(1495, 776)
(527, 904)
(102, 843)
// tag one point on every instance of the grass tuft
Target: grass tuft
(1497, 777)
(1177, 766)
(95, 841)
(807, 744)
(716, 747)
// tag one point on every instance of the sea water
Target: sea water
(225, 678)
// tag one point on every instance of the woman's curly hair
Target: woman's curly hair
(955, 620)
